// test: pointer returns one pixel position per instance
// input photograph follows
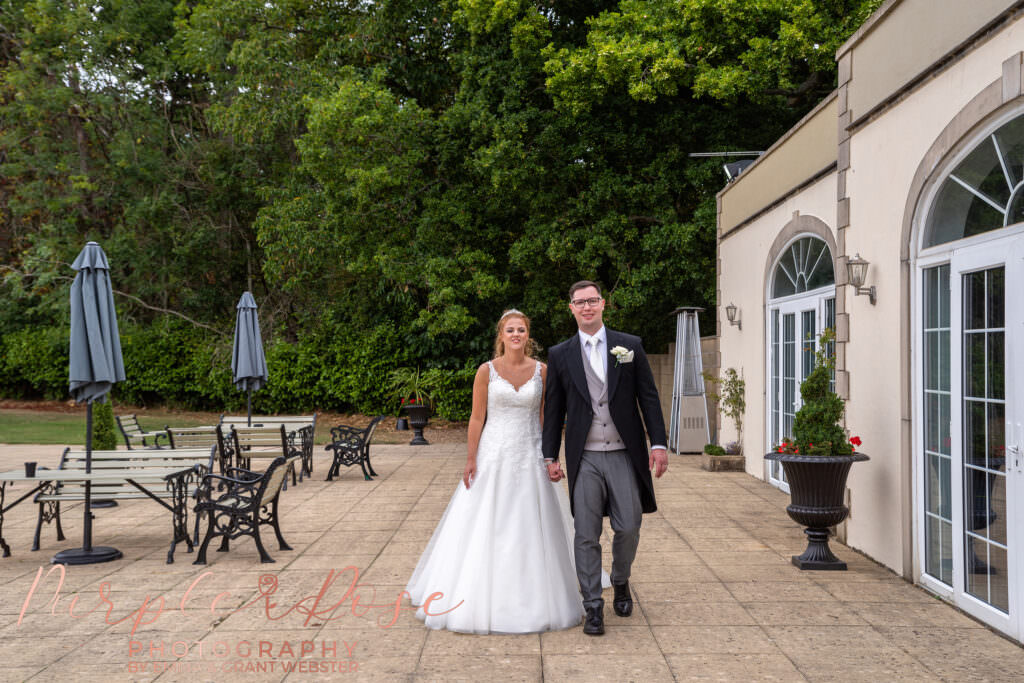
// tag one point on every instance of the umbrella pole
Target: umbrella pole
(87, 554)
(248, 406)
(87, 524)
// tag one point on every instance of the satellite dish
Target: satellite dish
(734, 168)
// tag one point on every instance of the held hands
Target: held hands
(469, 473)
(658, 461)
(555, 472)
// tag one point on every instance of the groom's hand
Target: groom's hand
(658, 461)
(555, 471)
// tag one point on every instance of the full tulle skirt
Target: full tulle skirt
(501, 557)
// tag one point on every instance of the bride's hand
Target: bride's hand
(469, 473)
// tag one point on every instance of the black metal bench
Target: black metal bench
(242, 501)
(351, 446)
(131, 431)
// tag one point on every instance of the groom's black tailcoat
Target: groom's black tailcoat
(631, 393)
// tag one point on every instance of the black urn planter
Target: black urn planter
(817, 484)
(418, 417)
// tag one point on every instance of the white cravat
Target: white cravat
(595, 358)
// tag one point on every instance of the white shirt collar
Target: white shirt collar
(600, 335)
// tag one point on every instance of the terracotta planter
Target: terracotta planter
(817, 484)
(418, 418)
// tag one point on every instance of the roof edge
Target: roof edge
(866, 28)
(782, 140)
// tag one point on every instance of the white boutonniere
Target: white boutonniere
(622, 355)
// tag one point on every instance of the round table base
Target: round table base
(82, 556)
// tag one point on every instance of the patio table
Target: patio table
(176, 481)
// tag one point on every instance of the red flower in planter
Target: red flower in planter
(855, 441)
(412, 401)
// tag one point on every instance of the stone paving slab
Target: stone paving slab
(717, 598)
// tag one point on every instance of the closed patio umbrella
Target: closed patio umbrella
(94, 366)
(248, 364)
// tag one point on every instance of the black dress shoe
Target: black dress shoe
(623, 603)
(593, 625)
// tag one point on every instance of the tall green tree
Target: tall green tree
(384, 176)
(104, 137)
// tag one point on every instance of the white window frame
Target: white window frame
(819, 296)
(956, 253)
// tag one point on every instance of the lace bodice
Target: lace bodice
(511, 434)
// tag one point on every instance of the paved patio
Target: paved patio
(716, 596)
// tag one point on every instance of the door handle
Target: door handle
(1014, 450)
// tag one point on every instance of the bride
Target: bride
(502, 552)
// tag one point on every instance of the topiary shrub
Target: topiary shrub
(104, 434)
(817, 428)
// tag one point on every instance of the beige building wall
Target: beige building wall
(903, 39)
(806, 151)
(742, 277)
(879, 169)
(885, 155)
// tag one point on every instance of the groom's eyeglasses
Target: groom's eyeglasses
(592, 302)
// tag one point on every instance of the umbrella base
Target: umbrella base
(83, 556)
(102, 504)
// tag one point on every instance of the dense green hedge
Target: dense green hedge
(187, 367)
(34, 363)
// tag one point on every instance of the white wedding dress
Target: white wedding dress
(503, 547)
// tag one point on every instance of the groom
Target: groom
(599, 384)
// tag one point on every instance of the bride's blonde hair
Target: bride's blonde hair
(499, 345)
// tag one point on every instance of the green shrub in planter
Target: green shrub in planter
(712, 449)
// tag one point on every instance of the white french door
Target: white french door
(794, 326)
(971, 470)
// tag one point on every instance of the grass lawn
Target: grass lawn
(57, 423)
(52, 427)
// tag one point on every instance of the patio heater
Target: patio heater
(688, 426)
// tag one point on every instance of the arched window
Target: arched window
(983, 192)
(800, 307)
(805, 266)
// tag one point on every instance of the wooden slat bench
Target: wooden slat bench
(244, 444)
(131, 431)
(290, 422)
(298, 429)
(198, 437)
(201, 459)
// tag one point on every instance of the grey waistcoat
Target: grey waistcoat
(603, 436)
